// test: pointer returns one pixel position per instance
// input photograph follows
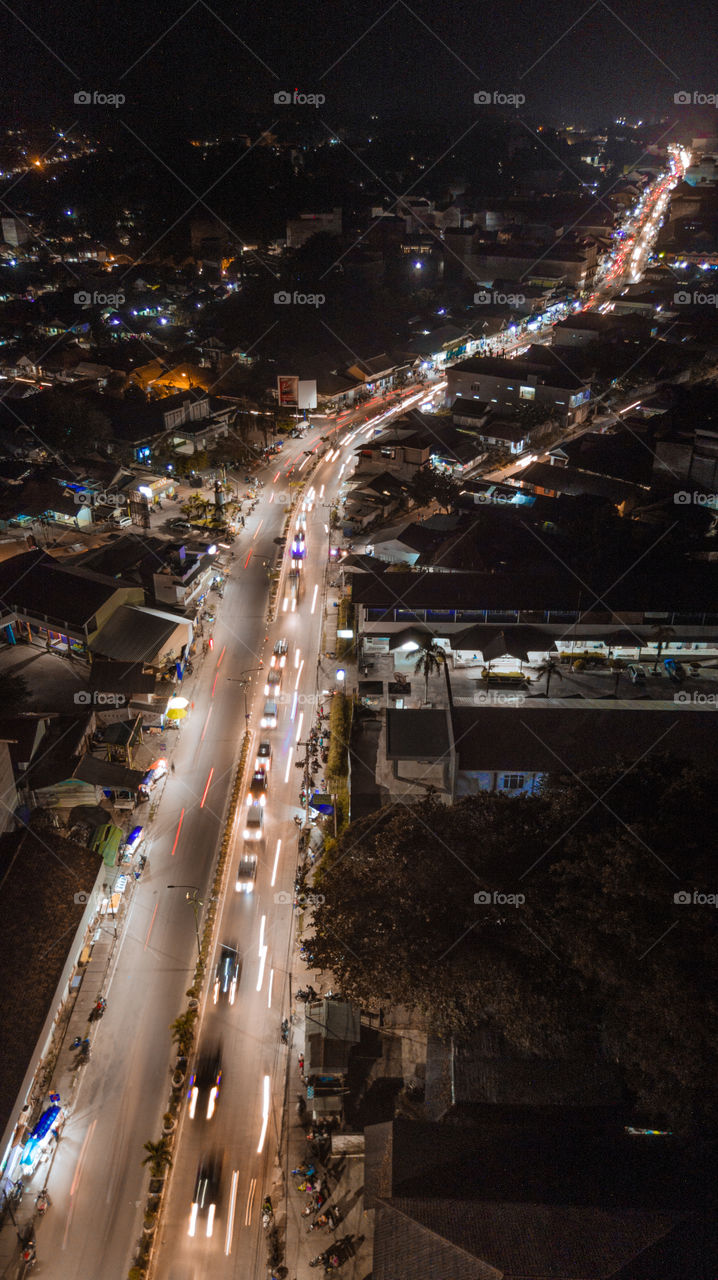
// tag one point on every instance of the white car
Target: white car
(246, 874)
(269, 715)
(254, 822)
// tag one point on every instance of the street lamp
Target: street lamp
(243, 680)
(192, 896)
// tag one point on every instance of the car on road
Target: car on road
(264, 757)
(205, 1195)
(257, 793)
(254, 822)
(636, 674)
(182, 526)
(269, 714)
(204, 1083)
(246, 874)
(226, 974)
(274, 679)
(279, 653)
(674, 670)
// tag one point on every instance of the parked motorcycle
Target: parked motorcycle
(42, 1202)
(98, 1009)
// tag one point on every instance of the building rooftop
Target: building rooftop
(574, 737)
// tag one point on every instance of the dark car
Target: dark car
(258, 788)
(226, 974)
(196, 482)
(264, 757)
(273, 682)
(206, 1194)
(182, 526)
(204, 1083)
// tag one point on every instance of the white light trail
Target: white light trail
(265, 1116)
(262, 954)
(276, 863)
(299, 673)
(269, 990)
(314, 597)
(230, 1217)
(289, 763)
(295, 700)
(299, 726)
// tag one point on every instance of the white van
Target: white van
(269, 715)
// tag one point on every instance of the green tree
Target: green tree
(549, 668)
(14, 693)
(159, 1157)
(429, 660)
(594, 959)
(429, 485)
(183, 1032)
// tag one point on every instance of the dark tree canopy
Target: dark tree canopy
(599, 957)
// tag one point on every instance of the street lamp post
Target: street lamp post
(192, 896)
(243, 680)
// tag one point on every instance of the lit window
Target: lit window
(512, 782)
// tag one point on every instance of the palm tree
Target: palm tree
(428, 661)
(158, 1157)
(183, 1032)
(661, 635)
(549, 668)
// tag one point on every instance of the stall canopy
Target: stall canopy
(503, 642)
(107, 842)
(412, 636)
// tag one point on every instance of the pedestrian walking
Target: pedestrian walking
(300, 1064)
(172, 766)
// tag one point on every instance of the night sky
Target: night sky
(214, 64)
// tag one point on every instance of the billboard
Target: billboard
(308, 395)
(288, 391)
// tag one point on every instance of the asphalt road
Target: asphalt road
(98, 1185)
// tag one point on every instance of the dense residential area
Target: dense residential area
(358, 655)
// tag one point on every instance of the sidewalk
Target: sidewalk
(342, 1177)
(87, 985)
